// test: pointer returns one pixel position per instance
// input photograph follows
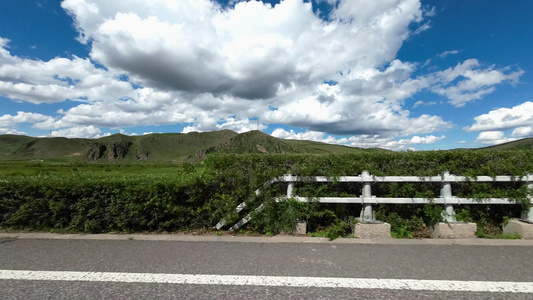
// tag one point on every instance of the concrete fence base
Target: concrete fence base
(455, 230)
(372, 230)
(301, 228)
(515, 226)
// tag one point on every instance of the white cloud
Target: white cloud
(362, 141)
(446, 53)
(417, 104)
(249, 51)
(360, 106)
(492, 138)
(505, 118)
(233, 124)
(422, 28)
(522, 132)
(422, 103)
(11, 131)
(3, 43)
(474, 82)
(89, 132)
(430, 139)
(57, 80)
(430, 11)
(194, 62)
(22, 117)
(292, 135)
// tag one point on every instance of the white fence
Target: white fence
(367, 200)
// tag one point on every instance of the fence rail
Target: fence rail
(367, 199)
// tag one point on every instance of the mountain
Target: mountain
(156, 147)
(178, 147)
(254, 142)
(192, 146)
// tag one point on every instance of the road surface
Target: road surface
(92, 268)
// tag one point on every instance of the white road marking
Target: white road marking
(279, 281)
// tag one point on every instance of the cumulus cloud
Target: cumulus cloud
(505, 118)
(196, 62)
(492, 138)
(249, 51)
(11, 131)
(57, 80)
(362, 141)
(524, 131)
(22, 117)
(474, 81)
(240, 126)
(78, 131)
(493, 124)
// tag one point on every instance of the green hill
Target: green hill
(260, 142)
(40, 148)
(254, 142)
(156, 147)
(324, 148)
(176, 147)
(523, 144)
(179, 146)
(9, 143)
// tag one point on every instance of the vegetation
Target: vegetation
(126, 197)
(523, 144)
(165, 147)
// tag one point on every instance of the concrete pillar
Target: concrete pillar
(448, 214)
(528, 214)
(367, 215)
(290, 188)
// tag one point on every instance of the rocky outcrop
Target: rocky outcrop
(141, 156)
(96, 152)
(201, 154)
(111, 151)
(118, 150)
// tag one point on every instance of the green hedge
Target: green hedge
(199, 196)
(104, 203)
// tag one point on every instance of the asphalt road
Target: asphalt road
(329, 260)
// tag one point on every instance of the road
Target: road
(165, 269)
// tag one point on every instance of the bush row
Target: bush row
(103, 203)
(201, 195)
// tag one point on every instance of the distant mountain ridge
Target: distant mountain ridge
(178, 147)
(192, 146)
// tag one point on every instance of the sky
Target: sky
(395, 74)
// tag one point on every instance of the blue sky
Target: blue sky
(396, 74)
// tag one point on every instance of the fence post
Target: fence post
(290, 187)
(527, 215)
(446, 192)
(367, 215)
